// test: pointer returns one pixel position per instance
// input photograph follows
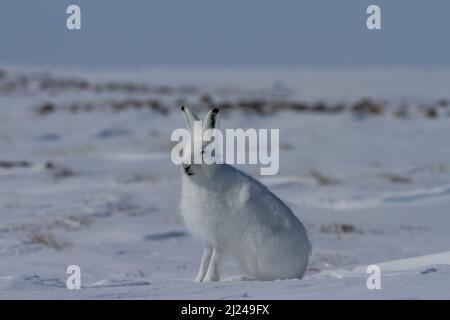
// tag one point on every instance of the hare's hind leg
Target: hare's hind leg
(240, 277)
(204, 264)
(213, 273)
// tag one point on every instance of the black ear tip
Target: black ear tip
(215, 110)
(182, 108)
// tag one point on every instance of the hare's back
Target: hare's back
(260, 205)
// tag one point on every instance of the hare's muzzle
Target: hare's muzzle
(187, 169)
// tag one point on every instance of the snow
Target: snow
(372, 190)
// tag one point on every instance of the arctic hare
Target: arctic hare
(236, 215)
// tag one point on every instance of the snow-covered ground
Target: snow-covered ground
(86, 179)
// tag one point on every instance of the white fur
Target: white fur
(236, 215)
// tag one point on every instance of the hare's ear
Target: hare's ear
(189, 116)
(211, 120)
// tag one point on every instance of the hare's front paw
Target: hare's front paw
(211, 276)
(199, 278)
(204, 264)
(213, 269)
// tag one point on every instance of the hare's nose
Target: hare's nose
(188, 169)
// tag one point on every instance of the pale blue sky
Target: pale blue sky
(225, 33)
